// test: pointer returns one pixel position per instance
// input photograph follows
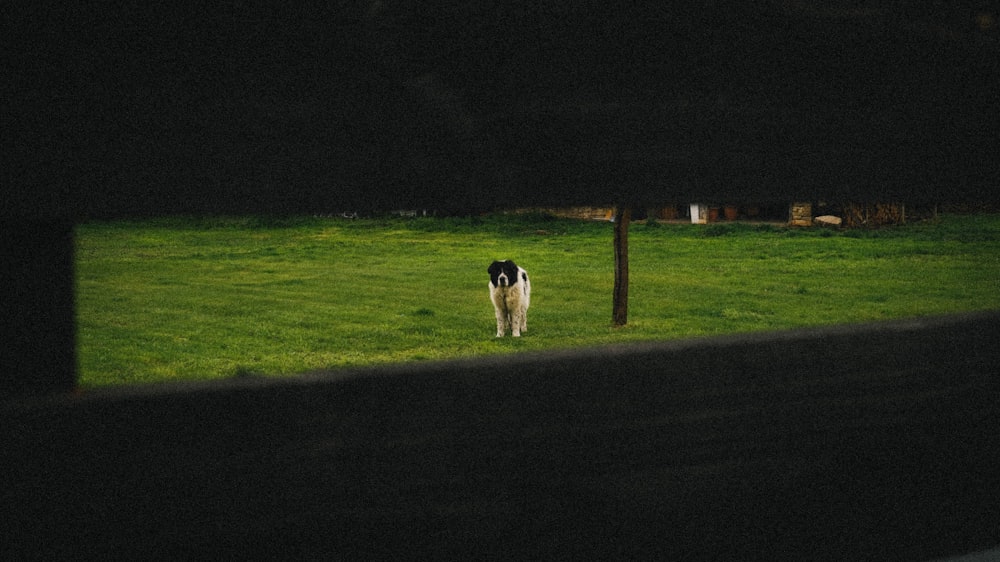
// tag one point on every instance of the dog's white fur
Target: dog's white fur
(510, 291)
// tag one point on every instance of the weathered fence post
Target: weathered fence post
(619, 314)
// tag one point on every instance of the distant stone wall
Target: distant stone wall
(858, 215)
(667, 212)
(800, 214)
(586, 213)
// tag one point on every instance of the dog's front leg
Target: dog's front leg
(501, 321)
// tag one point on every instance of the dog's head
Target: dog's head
(503, 273)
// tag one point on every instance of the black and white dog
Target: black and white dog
(510, 291)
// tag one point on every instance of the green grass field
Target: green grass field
(179, 299)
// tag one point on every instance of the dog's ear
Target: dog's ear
(493, 267)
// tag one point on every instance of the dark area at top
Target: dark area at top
(123, 110)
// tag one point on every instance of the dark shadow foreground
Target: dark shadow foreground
(862, 442)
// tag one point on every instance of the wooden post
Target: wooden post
(38, 355)
(619, 314)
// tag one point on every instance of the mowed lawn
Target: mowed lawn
(180, 299)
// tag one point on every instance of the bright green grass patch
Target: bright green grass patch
(173, 299)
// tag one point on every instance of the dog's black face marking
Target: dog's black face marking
(503, 273)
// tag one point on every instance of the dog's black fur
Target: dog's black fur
(504, 273)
